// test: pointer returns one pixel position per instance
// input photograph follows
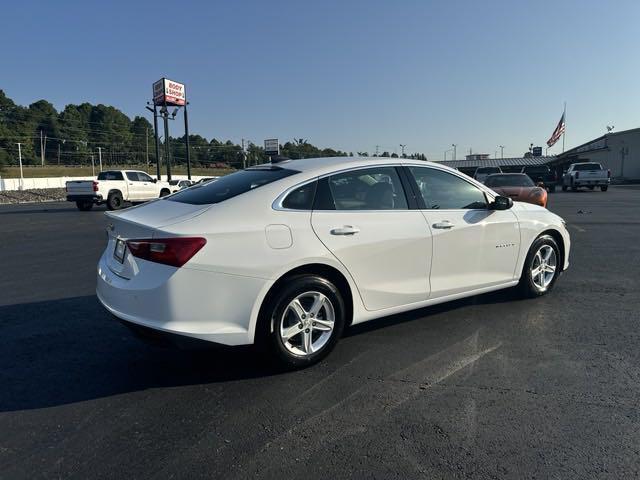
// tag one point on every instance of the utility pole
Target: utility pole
(93, 167)
(454, 150)
(58, 153)
(146, 138)
(42, 147)
(20, 161)
(186, 140)
(501, 151)
(402, 147)
(244, 155)
(100, 157)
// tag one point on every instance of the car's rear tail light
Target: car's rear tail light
(174, 251)
(95, 186)
(577, 174)
(608, 173)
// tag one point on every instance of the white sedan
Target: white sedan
(291, 253)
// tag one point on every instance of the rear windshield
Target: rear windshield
(488, 170)
(536, 169)
(231, 185)
(509, 181)
(110, 176)
(587, 166)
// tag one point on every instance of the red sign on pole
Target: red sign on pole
(168, 92)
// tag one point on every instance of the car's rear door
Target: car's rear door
(362, 216)
(473, 246)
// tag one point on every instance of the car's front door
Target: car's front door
(148, 187)
(473, 245)
(362, 217)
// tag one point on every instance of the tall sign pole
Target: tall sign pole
(167, 142)
(170, 94)
(186, 140)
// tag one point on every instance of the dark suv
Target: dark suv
(542, 173)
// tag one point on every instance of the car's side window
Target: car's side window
(133, 176)
(444, 191)
(377, 188)
(143, 177)
(300, 198)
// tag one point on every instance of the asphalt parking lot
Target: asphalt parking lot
(487, 387)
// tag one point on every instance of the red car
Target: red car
(517, 186)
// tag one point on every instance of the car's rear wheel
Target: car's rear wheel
(84, 206)
(114, 201)
(541, 267)
(305, 319)
(604, 188)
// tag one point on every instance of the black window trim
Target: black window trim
(277, 203)
(422, 206)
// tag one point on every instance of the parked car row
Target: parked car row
(115, 187)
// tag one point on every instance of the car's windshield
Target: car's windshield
(581, 167)
(231, 185)
(509, 181)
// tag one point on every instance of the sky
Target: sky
(343, 74)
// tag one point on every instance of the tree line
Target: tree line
(73, 135)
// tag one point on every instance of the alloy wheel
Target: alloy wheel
(543, 267)
(307, 323)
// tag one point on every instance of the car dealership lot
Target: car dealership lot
(490, 386)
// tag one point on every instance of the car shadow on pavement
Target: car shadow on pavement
(70, 350)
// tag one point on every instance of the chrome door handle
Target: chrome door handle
(345, 230)
(443, 225)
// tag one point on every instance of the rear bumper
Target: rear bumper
(206, 305)
(597, 182)
(95, 198)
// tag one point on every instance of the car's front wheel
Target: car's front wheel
(541, 267)
(305, 319)
(604, 188)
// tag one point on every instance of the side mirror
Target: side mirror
(501, 203)
(155, 180)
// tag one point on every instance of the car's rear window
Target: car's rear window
(587, 166)
(509, 181)
(488, 170)
(536, 169)
(231, 185)
(110, 176)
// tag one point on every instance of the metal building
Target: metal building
(616, 151)
(514, 164)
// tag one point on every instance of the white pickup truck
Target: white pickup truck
(114, 187)
(586, 174)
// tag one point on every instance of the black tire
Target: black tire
(115, 201)
(84, 206)
(528, 287)
(164, 192)
(564, 188)
(552, 188)
(604, 188)
(277, 316)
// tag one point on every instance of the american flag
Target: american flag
(557, 133)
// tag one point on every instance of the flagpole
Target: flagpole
(564, 115)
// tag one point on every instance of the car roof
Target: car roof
(322, 165)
